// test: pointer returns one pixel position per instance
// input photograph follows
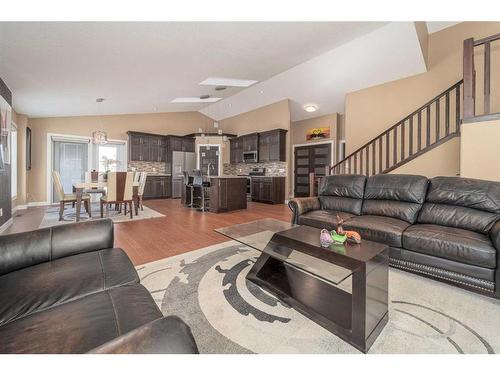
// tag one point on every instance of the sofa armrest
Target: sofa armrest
(168, 335)
(27, 249)
(300, 206)
(495, 235)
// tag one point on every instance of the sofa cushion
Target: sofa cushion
(80, 325)
(342, 193)
(396, 196)
(462, 203)
(48, 284)
(323, 218)
(383, 229)
(456, 244)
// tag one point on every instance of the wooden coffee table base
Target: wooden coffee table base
(357, 317)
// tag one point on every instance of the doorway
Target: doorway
(70, 157)
(310, 159)
(209, 156)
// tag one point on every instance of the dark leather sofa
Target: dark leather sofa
(66, 289)
(446, 228)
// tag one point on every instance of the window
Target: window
(13, 160)
(110, 157)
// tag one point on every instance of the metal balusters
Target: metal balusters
(447, 115)
(428, 126)
(419, 131)
(380, 154)
(437, 120)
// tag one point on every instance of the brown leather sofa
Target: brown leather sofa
(446, 228)
(66, 289)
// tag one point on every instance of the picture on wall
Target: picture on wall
(318, 133)
(28, 149)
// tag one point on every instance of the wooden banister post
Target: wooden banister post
(469, 78)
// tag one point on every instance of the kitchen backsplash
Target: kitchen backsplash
(275, 169)
(148, 166)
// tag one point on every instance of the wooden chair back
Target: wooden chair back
(120, 186)
(142, 183)
(56, 177)
(92, 176)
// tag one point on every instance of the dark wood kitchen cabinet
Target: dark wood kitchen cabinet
(236, 150)
(185, 144)
(227, 193)
(272, 146)
(250, 142)
(268, 189)
(147, 147)
(158, 187)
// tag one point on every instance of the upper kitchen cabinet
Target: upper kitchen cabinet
(147, 147)
(250, 142)
(236, 150)
(272, 146)
(184, 144)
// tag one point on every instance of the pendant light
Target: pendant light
(99, 137)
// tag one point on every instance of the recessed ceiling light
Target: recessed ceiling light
(195, 100)
(310, 108)
(261, 91)
(232, 82)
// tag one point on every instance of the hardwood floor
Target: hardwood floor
(181, 230)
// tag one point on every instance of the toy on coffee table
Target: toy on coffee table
(328, 238)
(352, 236)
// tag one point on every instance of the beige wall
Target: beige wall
(443, 160)
(178, 123)
(480, 150)
(22, 122)
(370, 111)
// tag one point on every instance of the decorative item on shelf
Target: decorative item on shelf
(99, 137)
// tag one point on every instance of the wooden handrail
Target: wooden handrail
(393, 129)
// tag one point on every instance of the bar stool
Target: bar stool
(203, 188)
(187, 185)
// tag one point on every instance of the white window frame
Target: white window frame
(13, 160)
(111, 141)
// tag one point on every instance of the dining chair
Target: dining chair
(142, 185)
(119, 191)
(68, 198)
(93, 177)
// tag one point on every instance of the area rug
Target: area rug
(51, 216)
(227, 314)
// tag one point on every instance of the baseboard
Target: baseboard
(19, 207)
(38, 204)
(5, 225)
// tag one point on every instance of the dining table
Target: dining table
(80, 187)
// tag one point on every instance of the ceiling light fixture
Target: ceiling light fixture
(231, 82)
(195, 100)
(99, 137)
(310, 108)
(220, 88)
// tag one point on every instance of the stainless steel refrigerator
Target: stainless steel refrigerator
(181, 162)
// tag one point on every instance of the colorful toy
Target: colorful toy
(325, 238)
(338, 238)
(352, 236)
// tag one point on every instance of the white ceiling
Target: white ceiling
(59, 69)
(388, 53)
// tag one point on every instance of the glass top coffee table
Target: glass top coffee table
(344, 288)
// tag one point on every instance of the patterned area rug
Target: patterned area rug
(207, 288)
(51, 216)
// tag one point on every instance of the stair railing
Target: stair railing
(432, 124)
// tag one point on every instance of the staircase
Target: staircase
(431, 125)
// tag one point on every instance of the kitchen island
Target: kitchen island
(228, 193)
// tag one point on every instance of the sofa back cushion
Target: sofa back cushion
(395, 195)
(462, 203)
(342, 193)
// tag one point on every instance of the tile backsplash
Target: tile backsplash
(148, 166)
(275, 169)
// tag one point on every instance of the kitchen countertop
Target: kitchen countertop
(158, 175)
(227, 176)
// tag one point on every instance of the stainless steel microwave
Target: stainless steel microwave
(250, 157)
